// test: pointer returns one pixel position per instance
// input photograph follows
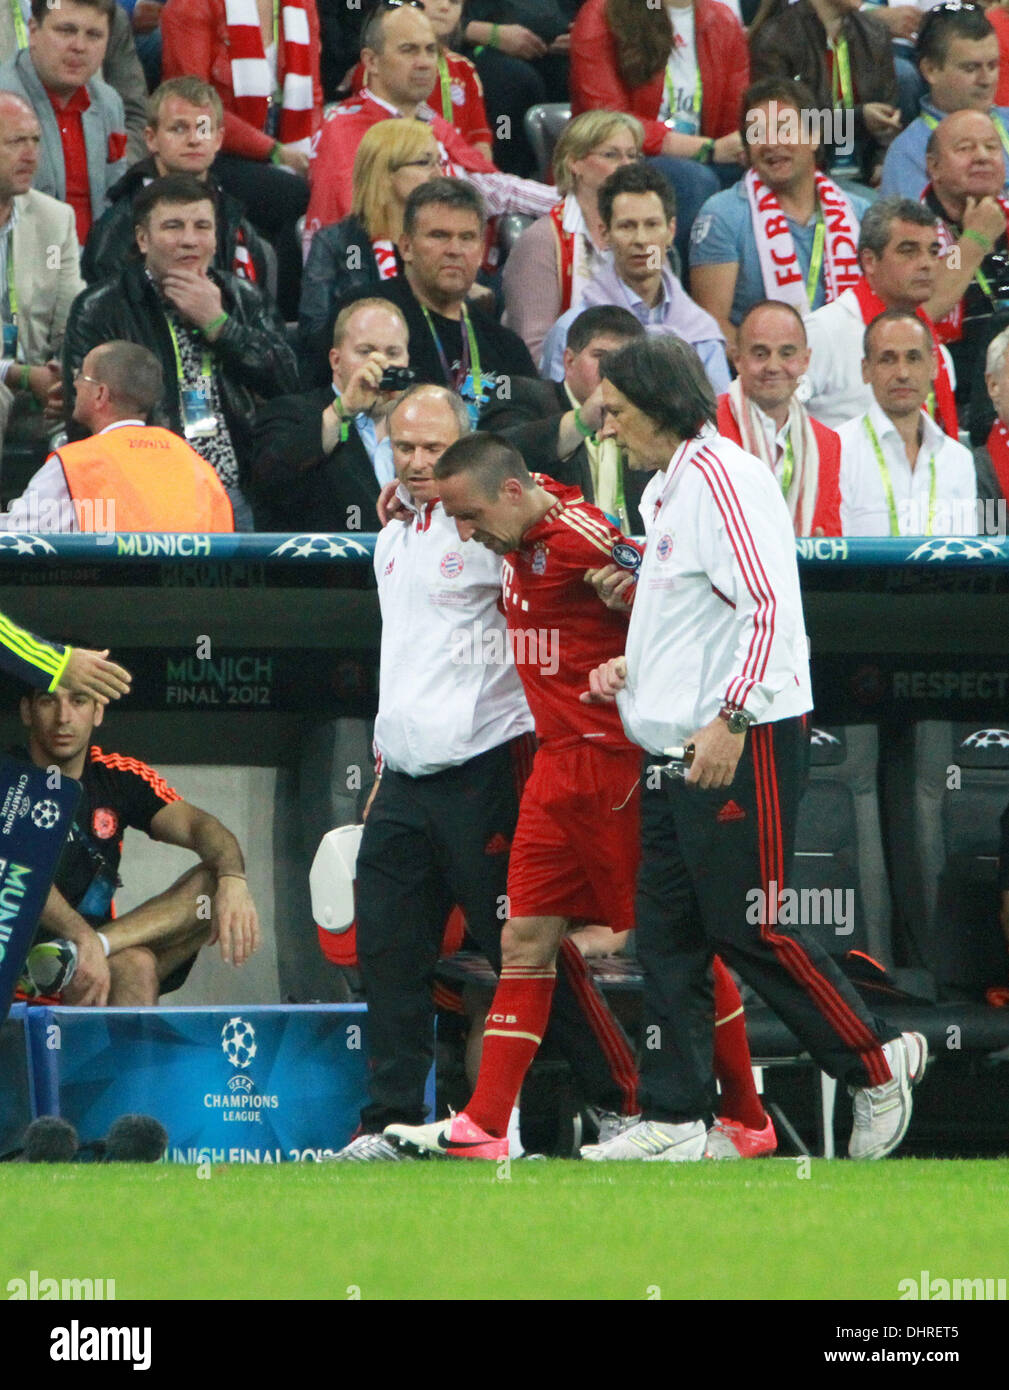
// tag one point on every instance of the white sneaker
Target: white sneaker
(369, 1148)
(883, 1113)
(609, 1124)
(652, 1142)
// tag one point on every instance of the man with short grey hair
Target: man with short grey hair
(898, 251)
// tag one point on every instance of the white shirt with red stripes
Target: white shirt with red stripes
(448, 687)
(717, 615)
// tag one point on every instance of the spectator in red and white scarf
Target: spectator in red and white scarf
(761, 412)
(267, 76)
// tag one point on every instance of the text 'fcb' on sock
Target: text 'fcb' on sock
(515, 1026)
(740, 1100)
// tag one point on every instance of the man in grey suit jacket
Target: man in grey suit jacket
(121, 68)
(39, 258)
(57, 75)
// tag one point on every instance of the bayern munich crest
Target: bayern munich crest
(451, 564)
(664, 547)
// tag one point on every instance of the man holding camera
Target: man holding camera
(321, 457)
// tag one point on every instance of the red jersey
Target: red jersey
(459, 99)
(558, 628)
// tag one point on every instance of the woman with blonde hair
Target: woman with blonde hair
(351, 258)
(555, 258)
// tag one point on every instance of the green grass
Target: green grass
(554, 1230)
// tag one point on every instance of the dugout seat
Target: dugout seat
(543, 125)
(948, 793)
(838, 844)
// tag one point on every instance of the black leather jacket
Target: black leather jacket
(252, 353)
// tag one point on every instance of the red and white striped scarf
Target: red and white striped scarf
(779, 261)
(385, 258)
(250, 72)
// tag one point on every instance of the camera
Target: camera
(397, 378)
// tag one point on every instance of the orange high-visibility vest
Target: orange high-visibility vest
(156, 480)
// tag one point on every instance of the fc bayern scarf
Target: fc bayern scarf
(944, 407)
(950, 327)
(250, 72)
(998, 447)
(779, 261)
(805, 482)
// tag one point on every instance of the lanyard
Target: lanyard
(695, 108)
(884, 473)
(789, 469)
(207, 365)
(816, 258)
(20, 32)
(12, 294)
(446, 88)
(841, 76)
(470, 355)
(278, 95)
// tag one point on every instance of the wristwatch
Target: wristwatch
(737, 719)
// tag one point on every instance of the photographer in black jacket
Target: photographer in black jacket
(220, 341)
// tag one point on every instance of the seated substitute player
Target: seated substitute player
(148, 951)
(576, 845)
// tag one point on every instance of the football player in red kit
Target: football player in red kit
(576, 846)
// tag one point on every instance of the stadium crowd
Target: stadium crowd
(221, 183)
(294, 254)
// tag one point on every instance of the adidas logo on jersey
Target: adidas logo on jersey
(730, 811)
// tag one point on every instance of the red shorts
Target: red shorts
(576, 846)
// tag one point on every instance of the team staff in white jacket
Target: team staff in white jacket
(454, 737)
(717, 657)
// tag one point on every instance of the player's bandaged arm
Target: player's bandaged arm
(29, 658)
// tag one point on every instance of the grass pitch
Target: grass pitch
(552, 1230)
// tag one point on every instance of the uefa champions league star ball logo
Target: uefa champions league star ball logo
(22, 544)
(238, 1042)
(321, 547)
(987, 738)
(45, 814)
(956, 548)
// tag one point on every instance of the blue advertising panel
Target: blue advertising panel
(234, 1084)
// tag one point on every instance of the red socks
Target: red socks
(739, 1099)
(514, 1029)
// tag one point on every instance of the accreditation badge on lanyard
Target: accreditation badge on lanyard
(10, 330)
(196, 399)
